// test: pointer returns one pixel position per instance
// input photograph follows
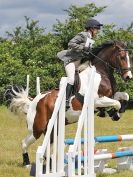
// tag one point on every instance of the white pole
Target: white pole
(27, 85)
(88, 109)
(55, 112)
(90, 133)
(38, 85)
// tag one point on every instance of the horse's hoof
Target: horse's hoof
(124, 104)
(121, 110)
(28, 166)
(116, 116)
(26, 161)
(101, 114)
(111, 112)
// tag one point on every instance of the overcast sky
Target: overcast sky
(12, 12)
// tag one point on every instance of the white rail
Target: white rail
(58, 117)
(86, 120)
(38, 85)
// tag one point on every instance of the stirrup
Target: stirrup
(67, 105)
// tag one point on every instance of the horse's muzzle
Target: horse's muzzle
(127, 76)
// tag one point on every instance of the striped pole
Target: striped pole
(113, 138)
(115, 155)
(107, 156)
(104, 139)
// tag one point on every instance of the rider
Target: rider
(78, 47)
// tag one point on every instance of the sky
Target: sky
(12, 12)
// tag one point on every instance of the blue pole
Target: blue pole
(70, 141)
(115, 155)
(102, 139)
(123, 154)
(98, 139)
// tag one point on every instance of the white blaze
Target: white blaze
(129, 72)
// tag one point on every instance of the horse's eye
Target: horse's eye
(123, 58)
(121, 50)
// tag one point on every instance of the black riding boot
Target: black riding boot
(69, 89)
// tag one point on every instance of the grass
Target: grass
(12, 131)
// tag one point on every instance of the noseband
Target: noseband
(120, 70)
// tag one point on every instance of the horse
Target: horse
(106, 58)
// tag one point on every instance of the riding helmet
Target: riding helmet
(92, 23)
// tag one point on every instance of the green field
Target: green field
(12, 131)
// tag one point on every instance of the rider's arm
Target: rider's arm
(77, 43)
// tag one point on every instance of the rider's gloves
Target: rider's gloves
(86, 51)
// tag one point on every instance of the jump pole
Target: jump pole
(104, 139)
(27, 85)
(38, 85)
(109, 156)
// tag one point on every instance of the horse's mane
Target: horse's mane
(99, 47)
(94, 51)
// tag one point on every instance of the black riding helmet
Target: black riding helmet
(92, 23)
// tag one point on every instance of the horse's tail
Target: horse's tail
(17, 100)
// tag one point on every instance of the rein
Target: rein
(106, 63)
(123, 70)
(118, 70)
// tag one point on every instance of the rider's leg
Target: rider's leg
(70, 71)
(69, 89)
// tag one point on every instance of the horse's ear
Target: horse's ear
(116, 45)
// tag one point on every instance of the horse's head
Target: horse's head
(121, 60)
(113, 55)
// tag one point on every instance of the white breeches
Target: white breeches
(70, 72)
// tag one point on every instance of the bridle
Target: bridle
(122, 71)
(107, 64)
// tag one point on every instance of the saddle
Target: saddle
(76, 87)
(77, 82)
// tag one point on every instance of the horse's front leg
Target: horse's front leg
(30, 139)
(104, 102)
(123, 97)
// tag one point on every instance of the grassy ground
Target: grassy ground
(12, 131)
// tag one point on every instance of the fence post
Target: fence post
(27, 85)
(37, 85)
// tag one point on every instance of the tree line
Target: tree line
(30, 50)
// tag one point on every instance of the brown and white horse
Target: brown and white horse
(107, 58)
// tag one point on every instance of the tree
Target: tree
(29, 50)
(77, 16)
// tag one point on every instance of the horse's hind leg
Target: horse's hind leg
(30, 139)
